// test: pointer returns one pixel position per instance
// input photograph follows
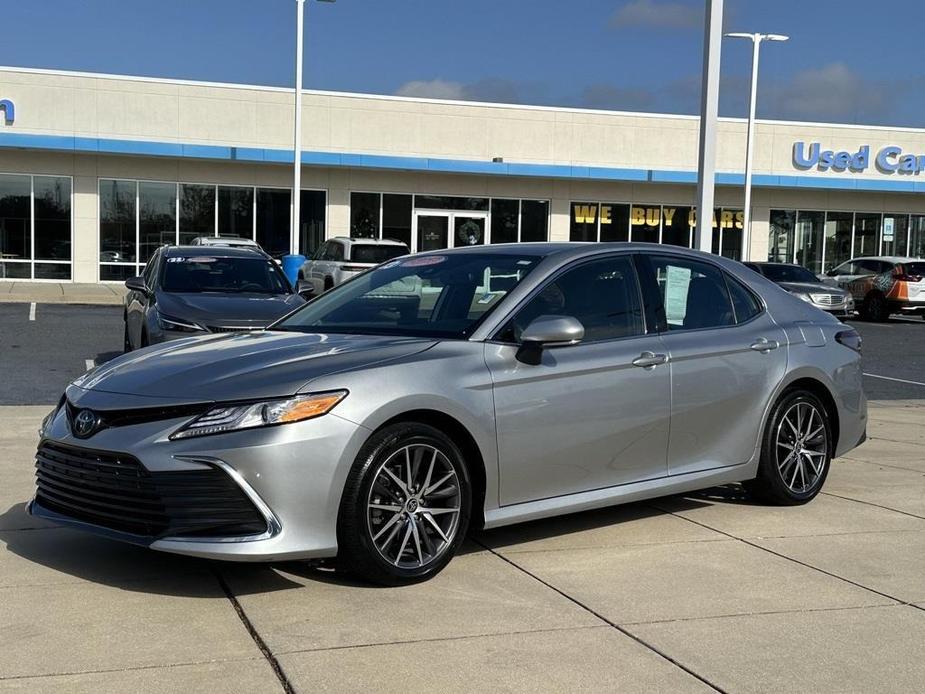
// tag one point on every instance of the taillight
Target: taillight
(850, 339)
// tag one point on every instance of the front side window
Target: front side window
(204, 273)
(602, 295)
(420, 296)
(694, 294)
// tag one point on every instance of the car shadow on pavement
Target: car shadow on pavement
(103, 357)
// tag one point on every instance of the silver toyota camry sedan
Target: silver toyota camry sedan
(456, 389)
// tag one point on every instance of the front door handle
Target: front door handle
(764, 345)
(649, 360)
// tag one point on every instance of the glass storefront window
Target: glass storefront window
(52, 210)
(895, 234)
(614, 222)
(917, 236)
(117, 223)
(808, 240)
(646, 223)
(15, 224)
(236, 211)
(731, 224)
(504, 220)
(396, 217)
(534, 220)
(780, 236)
(866, 234)
(450, 202)
(676, 229)
(274, 214)
(583, 224)
(837, 238)
(157, 217)
(197, 211)
(312, 221)
(364, 215)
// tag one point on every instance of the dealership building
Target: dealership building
(97, 171)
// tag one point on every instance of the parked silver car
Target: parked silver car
(340, 258)
(804, 285)
(475, 387)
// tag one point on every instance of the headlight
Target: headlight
(177, 325)
(805, 297)
(260, 414)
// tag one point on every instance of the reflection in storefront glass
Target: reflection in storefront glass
(646, 223)
(837, 238)
(780, 236)
(866, 234)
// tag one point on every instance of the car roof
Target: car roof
(886, 258)
(215, 251)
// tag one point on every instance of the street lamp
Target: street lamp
(756, 40)
(297, 145)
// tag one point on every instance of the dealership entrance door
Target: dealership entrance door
(436, 229)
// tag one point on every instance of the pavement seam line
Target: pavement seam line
(135, 668)
(871, 462)
(870, 503)
(257, 638)
(604, 619)
(439, 639)
(768, 613)
(801, 563)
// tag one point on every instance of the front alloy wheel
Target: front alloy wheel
(796, 450)
(405, 508)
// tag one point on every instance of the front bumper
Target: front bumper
(293, 474)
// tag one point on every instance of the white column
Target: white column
(750, 152)
(297, 148)
(709, 114)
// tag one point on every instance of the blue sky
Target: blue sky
(855, 61)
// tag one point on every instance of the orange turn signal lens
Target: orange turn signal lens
(311, 406)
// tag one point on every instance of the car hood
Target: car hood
(810, 287)
(227, 310)
(237, 366)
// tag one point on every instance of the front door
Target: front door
(726, 356)
(586, 417)
(433, 230)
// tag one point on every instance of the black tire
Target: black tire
(126, 342)
(144, 338)
(771, 484)
(358, 523)
(328, 283)
(875, 308)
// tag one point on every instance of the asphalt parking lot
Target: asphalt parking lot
(703, 592)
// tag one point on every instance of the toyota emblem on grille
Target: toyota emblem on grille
(85, 423)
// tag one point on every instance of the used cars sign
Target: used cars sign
(889, 159)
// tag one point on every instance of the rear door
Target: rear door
(726, 356)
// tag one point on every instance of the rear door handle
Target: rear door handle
(649, 360)
(764, 345)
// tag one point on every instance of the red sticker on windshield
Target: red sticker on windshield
(424, 260)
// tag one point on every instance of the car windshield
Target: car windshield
(788, 273)
(379, 253)
(419, 296)
(207, 273)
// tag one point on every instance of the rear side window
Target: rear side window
(336, 251)
(374, 253)
(745, 304)
(694, 294)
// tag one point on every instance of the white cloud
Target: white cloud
(831, 92)
(652, 13)
(433, 89)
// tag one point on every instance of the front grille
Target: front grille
(141, 415)
(116, 491)
(828, 299)
(226, 329)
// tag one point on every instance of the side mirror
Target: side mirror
(548, 331)
(136, 284)
(304, 288)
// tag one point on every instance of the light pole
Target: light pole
(756, 40)
(709, 115)
(297, 145)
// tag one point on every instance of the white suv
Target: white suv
(340, 258)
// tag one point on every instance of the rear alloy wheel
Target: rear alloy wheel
(405, 508)
(796, 451)
(876, 308)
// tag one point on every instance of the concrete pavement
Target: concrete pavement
(61, 293)
(705, 592)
